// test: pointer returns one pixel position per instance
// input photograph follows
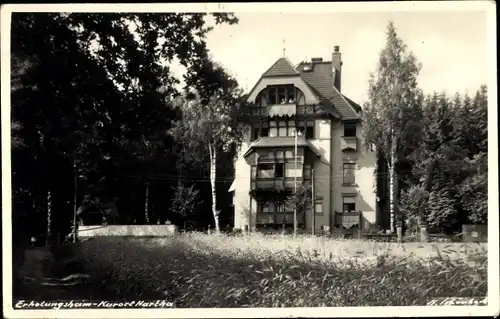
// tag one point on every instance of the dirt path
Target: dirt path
(41, 279)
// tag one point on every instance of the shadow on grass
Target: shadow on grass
(61, 275)
(198, 276)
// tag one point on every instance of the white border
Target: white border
(493, 265)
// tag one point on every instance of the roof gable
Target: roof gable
(282, 67)
(320, 78)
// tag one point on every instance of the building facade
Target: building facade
(273, 161)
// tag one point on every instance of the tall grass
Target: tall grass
(198, 270)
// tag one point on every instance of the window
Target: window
(348, 203)
(291, 128)
(291, 94)
(281, 94)
(280, 207)
(349, 129)
(349, 173)
(278, 128)
(288, 154)
(290, 170)
(265, 170)
(254, 134)
(273, 95)
(282, 129)
(273, 131)
(264, 129)
(266, 214)
(318, 207)
(307, 171)
(267, 207)
(279, 170)
(310, 130)
(265, 132)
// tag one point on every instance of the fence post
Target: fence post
(399, 231)
(423, 233)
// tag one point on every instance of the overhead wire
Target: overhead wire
(195, 178)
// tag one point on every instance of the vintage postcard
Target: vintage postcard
(250, 160)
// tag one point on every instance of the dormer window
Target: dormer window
(291, 96)
(350, 129)
(281, 94)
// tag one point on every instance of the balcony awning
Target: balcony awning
(281, 110)
(282, 141)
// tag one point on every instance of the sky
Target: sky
(451, 45)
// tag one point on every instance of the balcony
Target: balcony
(287, 109)
(275, 184)
(348, 219)
(349, 143)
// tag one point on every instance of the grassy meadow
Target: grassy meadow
(200, 270)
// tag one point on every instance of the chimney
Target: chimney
(336, 66)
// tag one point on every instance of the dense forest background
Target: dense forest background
(95, 109)
(93, 105)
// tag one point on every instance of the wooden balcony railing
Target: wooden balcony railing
(266, 110)
(278, 184)
(348, 219)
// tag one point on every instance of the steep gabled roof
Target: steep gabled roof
(354, 105)
(282, 67)
(320, 78)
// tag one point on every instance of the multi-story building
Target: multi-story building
(307, 99)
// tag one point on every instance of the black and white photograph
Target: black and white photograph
(225, 160)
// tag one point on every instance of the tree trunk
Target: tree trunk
(146, 204)
(393, 185)
(213, 174)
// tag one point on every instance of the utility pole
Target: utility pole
(296, 134)
(313, 203)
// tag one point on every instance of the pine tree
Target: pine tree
(480, 120)
(440, 162)
(442, 214)
(474, 188)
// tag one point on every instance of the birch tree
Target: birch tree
(392, 107)
(205, 129)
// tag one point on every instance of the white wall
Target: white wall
(242, 189)
(128, 230)
(365, 181)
